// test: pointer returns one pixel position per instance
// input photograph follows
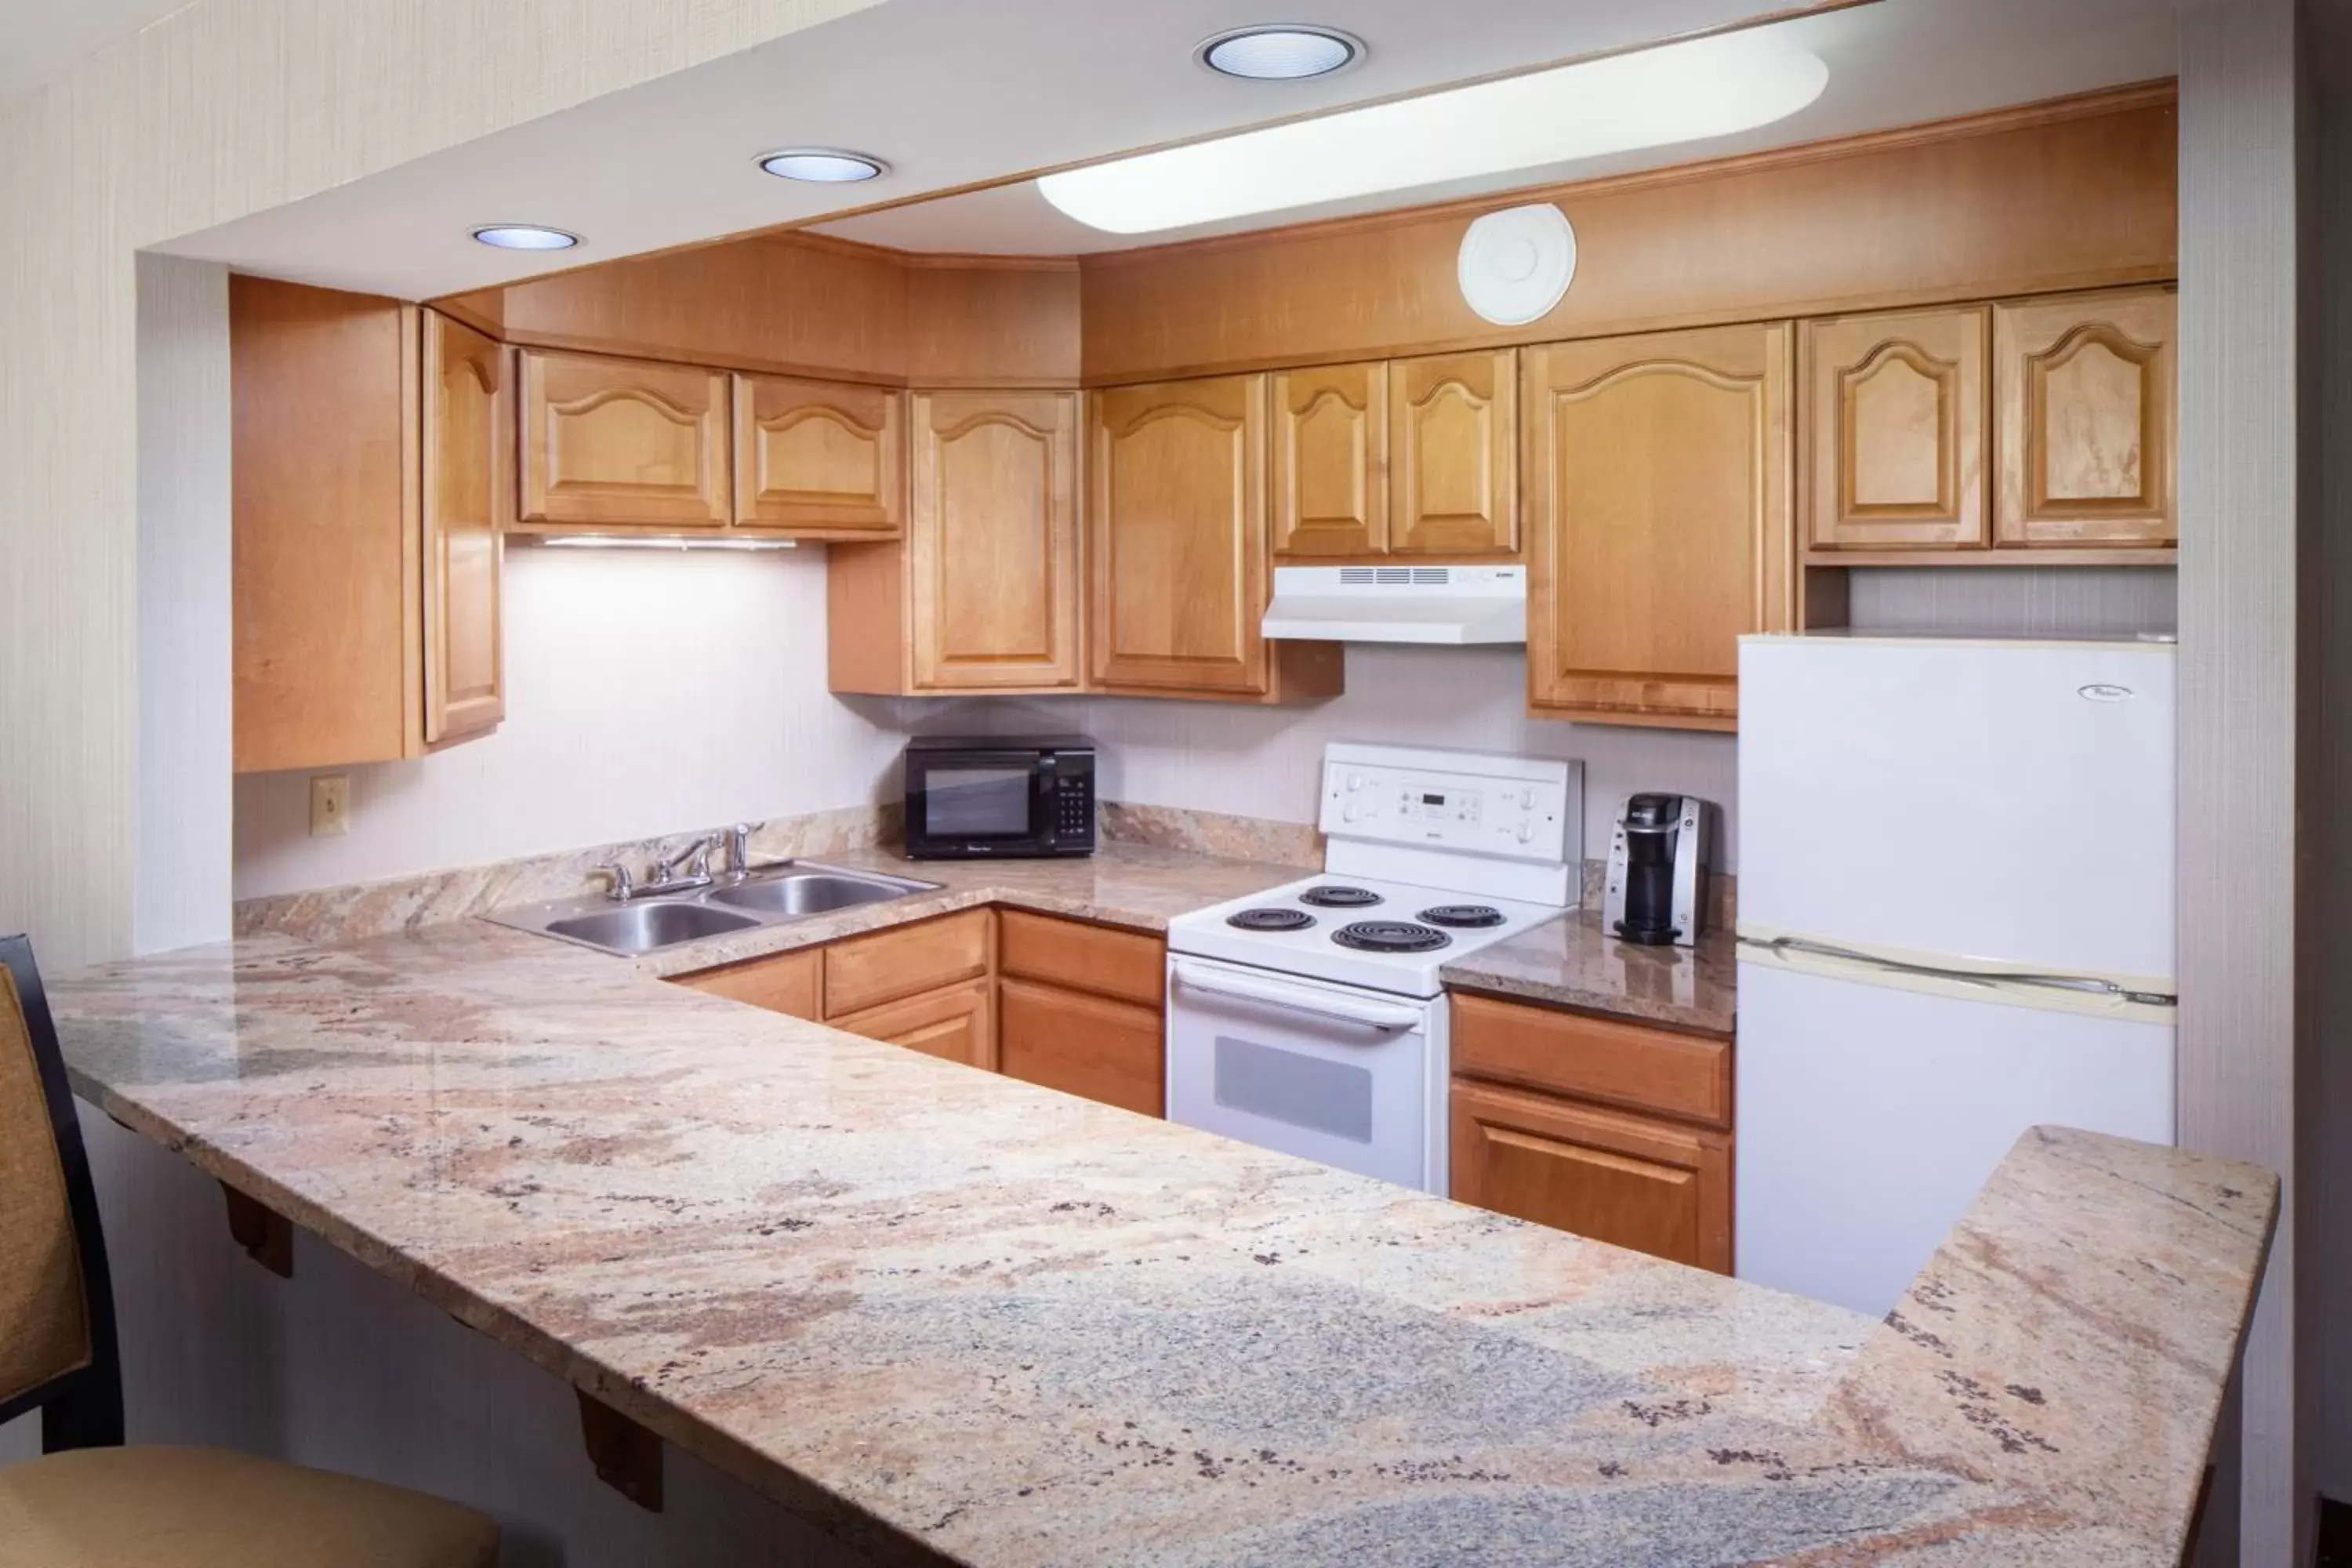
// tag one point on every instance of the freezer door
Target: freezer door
(2008, 802)
(1870, 1115)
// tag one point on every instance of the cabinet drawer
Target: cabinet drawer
(1652, 1187)
(1081, 957)
(784, 983)
(867, 971)
(1087, 1045)
(953, 1025)
(1594, 1058)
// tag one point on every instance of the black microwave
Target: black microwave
(1010, 795)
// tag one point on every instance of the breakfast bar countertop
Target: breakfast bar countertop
(951, 1316)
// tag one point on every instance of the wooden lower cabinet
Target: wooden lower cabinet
(1091, 1047)
(864, 971)
(955, 1024)
(789, 982)
(1633, 1181)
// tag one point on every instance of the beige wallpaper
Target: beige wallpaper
(224, 108)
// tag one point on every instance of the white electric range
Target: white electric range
(1311, 1018)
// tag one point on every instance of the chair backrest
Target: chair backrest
(56, 1316)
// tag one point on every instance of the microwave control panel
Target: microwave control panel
(1523, 818)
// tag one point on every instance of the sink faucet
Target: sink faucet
(689, 868)
(739, 850)
(623, 889)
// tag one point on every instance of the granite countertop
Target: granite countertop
(951, 1316)
(1570, 962)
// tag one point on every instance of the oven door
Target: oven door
(1330, 1073)
(979, 803)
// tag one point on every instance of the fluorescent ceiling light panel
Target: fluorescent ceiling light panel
(1653, 98)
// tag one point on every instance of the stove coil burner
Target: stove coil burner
(1271, 920)
(1463, 917)
(1390, 936)
(1335, 896)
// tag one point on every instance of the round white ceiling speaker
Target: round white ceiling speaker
(1516, 263)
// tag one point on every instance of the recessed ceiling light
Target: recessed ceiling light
(1280, 52)
(823, 165)
(525, 237)
(1651, 97)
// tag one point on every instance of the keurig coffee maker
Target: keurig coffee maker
(1657, 857)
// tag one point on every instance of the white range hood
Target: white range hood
(1442, 605)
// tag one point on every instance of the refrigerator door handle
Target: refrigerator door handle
(2081, 984)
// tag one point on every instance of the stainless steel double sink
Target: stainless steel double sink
(771, 896)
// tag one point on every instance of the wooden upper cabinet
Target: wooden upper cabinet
(1894, 424)
(992, 554)
(1656, 473)
(468, 435)
(2086, 390)
(819, 457)
(1454, 487)
(1330, 462)
(621, 443)
(1177, 534)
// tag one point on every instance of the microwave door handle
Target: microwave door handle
(1367, 1014)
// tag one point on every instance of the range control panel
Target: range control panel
(1439, 807)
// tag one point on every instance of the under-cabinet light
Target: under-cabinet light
(648, 541)
(1651, 97)
(525, 237)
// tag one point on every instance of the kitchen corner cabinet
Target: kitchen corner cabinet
(2086, 392)
(1612, 1129)
(1453, 451)
(1894, 415)
(1177, 547)
(819, 460)
(982, 593)
(621, 443)
(1655, 472)
(367, 440)
(1330, 460)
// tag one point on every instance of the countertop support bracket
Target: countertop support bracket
(628, 1456)
(265, 1233)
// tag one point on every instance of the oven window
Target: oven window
(975, 803)
(1303, 1091)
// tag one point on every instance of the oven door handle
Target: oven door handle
(1369, 1014)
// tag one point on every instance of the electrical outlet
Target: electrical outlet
(331, 804)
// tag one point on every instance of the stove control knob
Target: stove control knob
(1526, 832)
(1352, 812)
(1526, 800)
(1354, 781)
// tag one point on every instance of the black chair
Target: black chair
(89, 1501)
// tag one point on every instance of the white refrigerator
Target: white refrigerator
(1956, 922)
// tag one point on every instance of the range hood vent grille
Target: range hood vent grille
(1439, 605)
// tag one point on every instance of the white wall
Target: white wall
(648, 692)
(181, 878)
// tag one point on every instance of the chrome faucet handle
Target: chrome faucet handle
(738, 848)
(695, 857)
(622, 890)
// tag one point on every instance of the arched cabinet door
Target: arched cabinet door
(468, 435)
(1178, 537)
(1658, 514)
(2086, 390)
(621, 443)
(1330, 460)
(1895, 426)
(1451, 448)
(819, 459)
(992, 549)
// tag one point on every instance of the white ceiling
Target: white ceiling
(39, 39)
(1898, 62)
(956, 92)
